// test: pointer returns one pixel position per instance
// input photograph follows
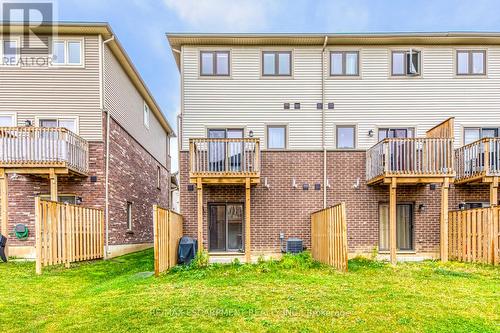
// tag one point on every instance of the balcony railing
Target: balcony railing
(478, 159)
(34, 147)
(224, 157)
(425, 157)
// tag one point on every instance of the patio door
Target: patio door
(225, 227)
(404, 227)
(218, 151)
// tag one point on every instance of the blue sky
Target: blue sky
(141, 24)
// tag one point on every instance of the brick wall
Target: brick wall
(133, 178)
(22, 190)
(284, 209)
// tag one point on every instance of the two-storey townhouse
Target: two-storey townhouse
(79, 125)
(276, 126)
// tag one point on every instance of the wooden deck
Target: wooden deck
(478, 162)
(36, 150)
(224, 161)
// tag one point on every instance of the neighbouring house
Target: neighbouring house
(78, 125)
(400, 127)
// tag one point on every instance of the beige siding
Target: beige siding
(371, 101)
(37, 91)
(125, 105)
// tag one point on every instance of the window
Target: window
(7, 120)
(471, 62)
(146, 115)
(344, 63)
(68, 123)
(129, 216)
(63, 198)
(214, 63)
(158, 177)
(384, 133)
(276, 137)
(276, 63)
(406, 63)
(472, 134)
(9, 53)
(404, 227)
(219, 152)
(346, 137)
(67, 53)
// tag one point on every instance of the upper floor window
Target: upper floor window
(346, 137)
(388, 133)
(344, 63)
(7, 120)
(146, 115)
(471, 62)
(406, 63)
(472, 134)
(214, 63)
(276, 137)
(67, 53)
(9, 53)
(68, 123)
(276, 63)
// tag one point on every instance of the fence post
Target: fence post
(38, 233)
(156, 240)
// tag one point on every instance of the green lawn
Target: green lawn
(294, 295)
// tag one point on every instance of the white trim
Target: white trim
(80, 40)
(13, 116)
(59, 117)
(101, 82)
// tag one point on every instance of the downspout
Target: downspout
(108, 118)
(323, 120)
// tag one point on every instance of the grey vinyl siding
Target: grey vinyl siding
(126, 105)
(56, 92)
(372, 100)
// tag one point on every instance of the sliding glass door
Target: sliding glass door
(225, 227)
(218, 152)
(404, 227)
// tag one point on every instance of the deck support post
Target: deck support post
(247, 222)
(199, 191)
(4, 206)
(53, 185)
(444, 219)
(392, 219)
(494, 192)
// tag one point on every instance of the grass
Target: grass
(292, 295)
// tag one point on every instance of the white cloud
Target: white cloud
(222, 15)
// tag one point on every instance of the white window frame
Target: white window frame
(80, 40)
(13, 116)
(58, 118)
(146, 120)
(18, 54)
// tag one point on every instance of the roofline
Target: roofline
(103, 29)
(177, 40)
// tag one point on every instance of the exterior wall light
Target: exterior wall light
(371, 133)
(250, 134)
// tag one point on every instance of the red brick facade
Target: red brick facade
(132, 178)
(283, 209)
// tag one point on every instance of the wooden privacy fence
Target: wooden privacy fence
(167, 233)
(329, 236)
(67, 233)
(473, 235)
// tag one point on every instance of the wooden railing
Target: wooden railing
(224, 157)
(329, 236)
(43, 147)
(480, 158)
(168, 230)
(411, 156)
(473, 235)
(67, 233)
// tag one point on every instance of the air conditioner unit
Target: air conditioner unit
(294, 245)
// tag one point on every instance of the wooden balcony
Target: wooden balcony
(478, 162)
(410, 161)
(224, 161)
(43, 150)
